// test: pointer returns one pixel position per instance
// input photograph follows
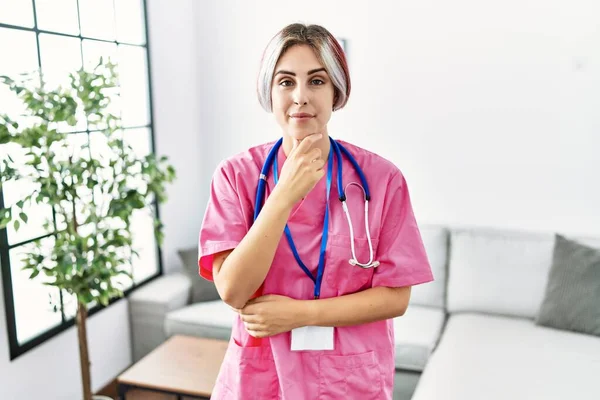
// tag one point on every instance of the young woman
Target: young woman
(316, 259)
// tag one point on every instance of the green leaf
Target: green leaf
(85, 297)
(5, 217)
(4, 135)
(16, 225)
(23, 217)
(35, 273)
(104, 300)
(160, 237)
(6, 80)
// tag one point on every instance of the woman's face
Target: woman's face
(302, 93)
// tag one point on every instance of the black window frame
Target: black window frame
(17, 349)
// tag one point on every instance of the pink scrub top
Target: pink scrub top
(361, 366)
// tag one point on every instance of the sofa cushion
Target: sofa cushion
(500, 272)
(202, 290)
(498, 358)
(572, 299)
(158, 297)
(435, 240)
(417, 333)
(211, 319)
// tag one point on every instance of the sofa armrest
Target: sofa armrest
(148, 307)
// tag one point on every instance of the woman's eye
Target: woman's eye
(320, 82)
(285, 83)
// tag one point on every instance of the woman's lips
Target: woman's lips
(301, 117)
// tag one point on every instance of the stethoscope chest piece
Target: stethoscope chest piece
(353, 262)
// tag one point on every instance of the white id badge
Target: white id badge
(312, 338)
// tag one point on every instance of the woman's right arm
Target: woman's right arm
(238, 273)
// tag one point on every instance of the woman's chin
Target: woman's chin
(301, 134)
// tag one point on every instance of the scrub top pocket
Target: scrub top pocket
(354, 376)
(248, 373)
(342, 276)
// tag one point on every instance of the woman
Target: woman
(310, 324)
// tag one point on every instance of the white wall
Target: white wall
(489, 109)
(177, 115)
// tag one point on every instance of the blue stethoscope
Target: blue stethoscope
(338, 149)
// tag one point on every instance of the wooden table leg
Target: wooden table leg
(122, 391)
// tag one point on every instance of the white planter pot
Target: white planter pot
(98, 397)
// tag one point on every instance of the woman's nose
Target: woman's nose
(300, 96)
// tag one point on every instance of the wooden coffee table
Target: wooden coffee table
(182, 366)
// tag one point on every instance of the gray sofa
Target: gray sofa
(470, 334)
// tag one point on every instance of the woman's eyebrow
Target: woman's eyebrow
(312, 71)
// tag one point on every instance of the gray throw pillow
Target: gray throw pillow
(202, 290)
(572, 299)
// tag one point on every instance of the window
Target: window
(59, 36)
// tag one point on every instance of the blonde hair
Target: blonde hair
(327, 49)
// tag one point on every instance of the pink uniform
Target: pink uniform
(361, 366)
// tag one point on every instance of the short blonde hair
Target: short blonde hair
(327, 50)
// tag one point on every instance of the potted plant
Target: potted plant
(93, 198)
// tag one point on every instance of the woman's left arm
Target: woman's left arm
(273, 314)
(369, 305)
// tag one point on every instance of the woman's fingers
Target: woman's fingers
(254, 327)
(256, 334)
(318, 164)
(257, 331)
(250, 318)
(315, 153)
(295, 144)
(307, 143)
